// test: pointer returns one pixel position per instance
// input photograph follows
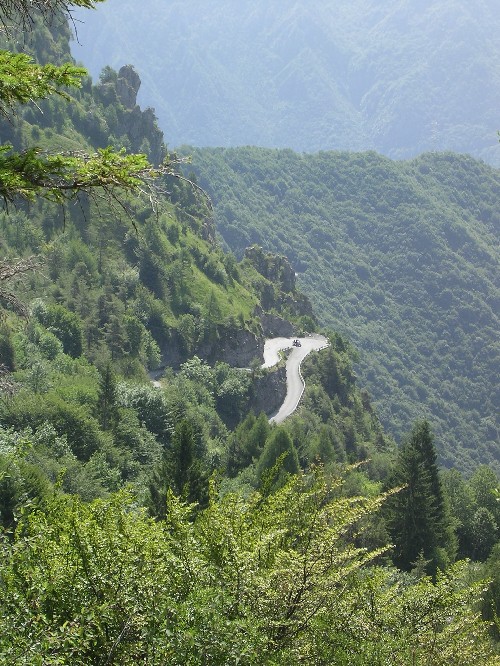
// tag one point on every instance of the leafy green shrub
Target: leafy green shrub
(74, 421)
(65, 325)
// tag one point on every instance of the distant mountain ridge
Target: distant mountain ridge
(398, 77)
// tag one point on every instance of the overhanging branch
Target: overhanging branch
(21, 12)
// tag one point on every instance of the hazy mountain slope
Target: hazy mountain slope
(401, 77)
(403, 257)
(136, 272)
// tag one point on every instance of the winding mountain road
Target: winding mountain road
(294, 381)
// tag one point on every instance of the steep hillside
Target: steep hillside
(128, 263)
(120, 290)
(402, 257)
(397, 77)
(165, 521)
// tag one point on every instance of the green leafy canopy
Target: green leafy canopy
(57, 177)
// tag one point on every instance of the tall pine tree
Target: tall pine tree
(279, 450)
(179, 470)
(107, 409)
(418, 520)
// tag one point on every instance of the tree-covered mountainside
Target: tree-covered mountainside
(402, 257)
(109, 258)
(97, 293)
(397, 77)
(171, 521)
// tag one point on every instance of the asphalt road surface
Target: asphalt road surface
(294, 381)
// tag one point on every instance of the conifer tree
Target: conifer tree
(247, 442)
(107, 408)
(417, 517)
(183, 456)
(179, 471)
(279, 450)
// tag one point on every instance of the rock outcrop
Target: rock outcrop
(140, 127)
(275, 268)
(274, 326)
(278, 289)
(236, 347)
(127, 86)
(269, 392)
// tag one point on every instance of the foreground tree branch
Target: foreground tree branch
(59, 177)
(23, 81)
(20, 12)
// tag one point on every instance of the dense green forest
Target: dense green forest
(398, 77)
(170, 521)
(401, 257)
